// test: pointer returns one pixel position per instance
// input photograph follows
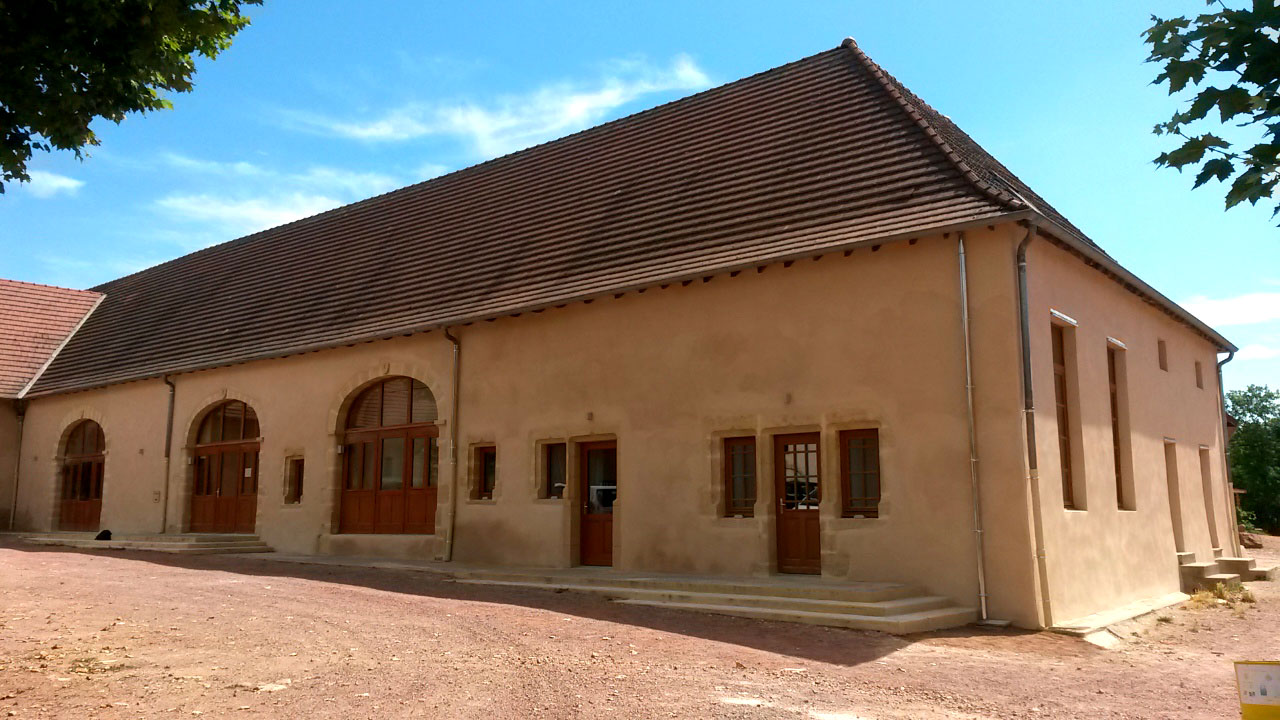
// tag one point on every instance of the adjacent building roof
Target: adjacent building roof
(821, 153)
(34, 321)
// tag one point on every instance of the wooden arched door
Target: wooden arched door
(83, 462)
(224, 497)
(389, 452)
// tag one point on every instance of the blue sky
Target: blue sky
(321, 103)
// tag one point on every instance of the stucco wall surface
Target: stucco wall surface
(1102, 556)
(8, 456)
(867, 340)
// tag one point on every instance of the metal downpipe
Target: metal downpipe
(453, 446)
(1236, 549)
(1029, 420)
(168, 442)
(21, 407)
(973, 437)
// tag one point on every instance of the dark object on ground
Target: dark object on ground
(1248, 540)
(104, 535)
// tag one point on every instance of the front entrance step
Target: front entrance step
(193, 544)
(777, 586)
(1246, 568)
(887, 607)
(902, 624)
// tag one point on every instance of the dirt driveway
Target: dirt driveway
(140, 635)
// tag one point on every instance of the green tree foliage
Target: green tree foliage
(1255, 452)
(64, 63)
(1232, 59)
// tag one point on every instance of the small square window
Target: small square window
(293, 481)
(554, 456)
(486, 472)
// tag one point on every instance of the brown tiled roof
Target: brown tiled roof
(34, 320)
(820, 153)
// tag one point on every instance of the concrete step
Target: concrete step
(1266, 573)
(1186, 557)
(866, 592)
(1191, 575)
(1246, 568)
(179, 544)
(897, 624)
(758, 600)
(1211, 581)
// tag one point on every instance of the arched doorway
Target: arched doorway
(224, 496)
(389, 467)
(83, 460)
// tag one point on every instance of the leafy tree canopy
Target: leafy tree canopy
(1255, 452)
(1231, 57)
(64, 63)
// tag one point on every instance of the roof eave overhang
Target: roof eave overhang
(728, 268)
(1108, 265)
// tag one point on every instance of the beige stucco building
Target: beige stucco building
(799, 323)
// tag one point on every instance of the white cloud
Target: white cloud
(250, 197)
(513, 122)
(1247, 309)
(46, 184)
(1258, 352)
(244, 215)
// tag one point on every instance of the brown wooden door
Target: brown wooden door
(796, 483)
(599, 479)
(224, 494)
(389, 481)
(80, 508)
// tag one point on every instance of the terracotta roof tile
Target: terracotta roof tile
(815, 154)
(34, 320)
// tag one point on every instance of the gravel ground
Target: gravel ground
(143, 635)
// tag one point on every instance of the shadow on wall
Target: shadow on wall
(838, 646)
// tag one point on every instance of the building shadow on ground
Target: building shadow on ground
(837, 646)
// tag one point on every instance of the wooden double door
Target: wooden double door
(80, 507)
(389, 482)
(796, 486)
(224, 498)
(598, 474)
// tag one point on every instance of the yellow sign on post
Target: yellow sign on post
(1259, 686)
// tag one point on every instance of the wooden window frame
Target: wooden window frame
(744, 507)
(1062, 355)
(380, 387)
(1118, 392)
(295, 474)
(860, 506)
(547, 489)
(479, 454)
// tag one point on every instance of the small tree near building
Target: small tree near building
(1254, 453)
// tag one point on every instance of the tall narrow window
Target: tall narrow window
(1206, 485)
(860, 473)
(554, 456)
(1162, 353)
(486, 472)
(1118, 388)
(1199, 375)
(739, 476)
(1175, 493)
(1062, 395)
(293, 481)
